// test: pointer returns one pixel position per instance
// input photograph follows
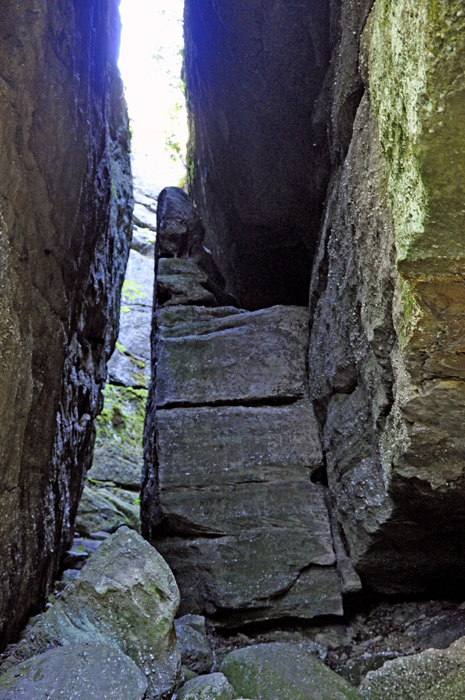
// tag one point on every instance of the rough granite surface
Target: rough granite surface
(65, 211)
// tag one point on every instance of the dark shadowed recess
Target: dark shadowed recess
(259, 160)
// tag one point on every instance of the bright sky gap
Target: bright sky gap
(150, 63)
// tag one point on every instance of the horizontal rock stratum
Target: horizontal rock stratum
(231, 444)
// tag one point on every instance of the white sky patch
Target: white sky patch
(150, 63)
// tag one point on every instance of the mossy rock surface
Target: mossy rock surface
(279, 671)
(412, 677)
(213, 686)
(107, 508)
(84, 671)
(451, 688)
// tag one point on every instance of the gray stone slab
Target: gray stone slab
(250, 574)
(140, 271)
(180, 321)
(130, 363)
(261, 355)
(182, 289)
(236, 444)
(144, 217)
(293, 510)
(106, 508)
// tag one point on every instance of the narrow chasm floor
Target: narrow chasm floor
(363, 640)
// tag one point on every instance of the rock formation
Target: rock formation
(378, 96)
(65, 211)
(231, 445)
(111, 492)
(385, 358)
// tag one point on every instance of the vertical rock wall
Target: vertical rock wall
(386, 354)
(258, 150)
(376, 89)
(65, 209)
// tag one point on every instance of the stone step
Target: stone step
(243, 527)
(256, 356)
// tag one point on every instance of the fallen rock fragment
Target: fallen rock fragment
(280, 671)
(214, 686)
(191, 634)
(87, 671)
(126, 597)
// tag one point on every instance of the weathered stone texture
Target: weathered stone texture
(126, 597)
(352, 335)
(78, 672)
(251, 357)
(227, 496)
(385, 359)
(65, 208)
(280, 671)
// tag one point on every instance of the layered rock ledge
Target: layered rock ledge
(232, 443)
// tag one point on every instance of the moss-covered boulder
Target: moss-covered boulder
(410, 677)
(279, 671)
(126, 597)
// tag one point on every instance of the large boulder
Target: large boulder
(126, 597)
(279, 671)
(83, 671)
(65, 214)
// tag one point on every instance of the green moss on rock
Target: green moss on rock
(280, 671)
(417, 86)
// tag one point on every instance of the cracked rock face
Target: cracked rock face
(381, 108)
(386, 365)
(65, 210)
(231, 443)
